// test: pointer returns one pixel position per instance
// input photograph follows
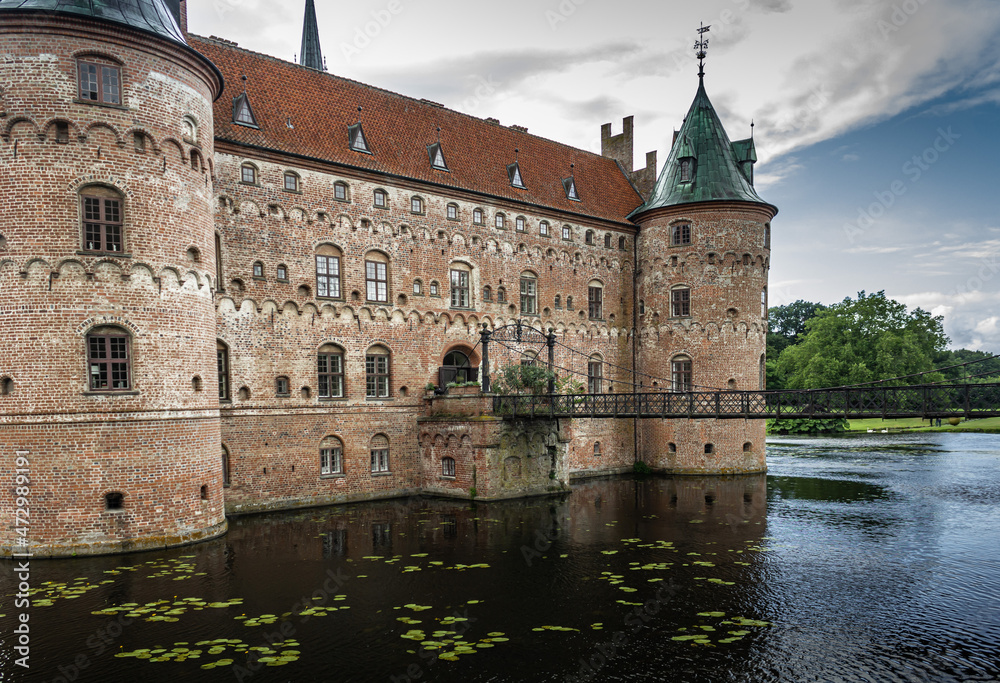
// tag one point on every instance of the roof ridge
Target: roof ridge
(416, 100)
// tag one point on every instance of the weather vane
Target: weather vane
(701, 49)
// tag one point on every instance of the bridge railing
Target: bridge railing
(970, 400)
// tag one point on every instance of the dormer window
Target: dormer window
(243, 113)
(437, 157)
(514, 173)
(357, 140)
(687, 169)
(569, 184)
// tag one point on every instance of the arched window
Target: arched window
(377, 277)
(6, 386)
(680, 374)
(282, 272)
(569, 303)
(456, 367)
(529, 293)
(447, 467)
(328, 271)
(330, 366)
(589, 237)
(222, 360)
(258, 270)
(331, 456)
(501, 295)
(380, 453)
(529, 359)
(103, 220)
(607, 240)
(292, 182)
(340, 191)
(487, 293)
(225, 467)
(461, 277)
(418, 287)
(680, 302)
(108, 359)
(416, 205)
(248, 174)
(377, 384)
(114, 501)
(381, 199)
(595, 374)
(595, 300)
(680, 234)
(434, 290)
(558, 301)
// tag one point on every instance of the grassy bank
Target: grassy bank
(916, 424)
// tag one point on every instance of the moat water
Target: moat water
(870, 558)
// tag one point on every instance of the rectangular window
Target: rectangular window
(377, 281)
(416, 206)
(102, 224)
(459, 289)
(528, 296)
(331, 375)
(452, 212)
(109, 363)
(681, 234)
(519, 223)
(340, 192)
(222, 359)
(380, 460)
(291, 182)
(566, 232)
(100, 83)
(331, 461)
(595, 377)
(477, 216)
(681, 375)
(595, 303)
(377, 376)
(281, 386)
(380, 199)
(501, 295)
(448, 467)
(249, 175)
(680, 303)
(499, 221)
(328, 276)
(543, 229)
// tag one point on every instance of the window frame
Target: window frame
(595, 375)
(520, 224)
(105, 336)
(478, 217)
(417, 206)
(281, 272)
(373, 280)
(224, 370)
(500, 221)
(501, 295)
(328, 281)
(451, 212)
(595, 302)
(378, 194)
(681, 374)
(529, 299)
(99, 82)
(278, 381)
(461, 288)
(330, 374)
(543, 228)
(258, 270)
(680, 235)
(567, 233)
(588, 237)
(378, 378)
(331, 458)
(448, 467)
(103, 223)
(296, 182)
(254, 172)
(680, 302)
(344, 189)
(380, 460)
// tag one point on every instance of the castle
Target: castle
(226, 281)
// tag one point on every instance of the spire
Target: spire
(311, 54)
(703, 165)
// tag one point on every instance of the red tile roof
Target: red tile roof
(398, 129)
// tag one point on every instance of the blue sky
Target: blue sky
(844, 95)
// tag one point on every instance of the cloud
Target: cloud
(969, 319)
(853, 156)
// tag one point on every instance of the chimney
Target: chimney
(184, 16)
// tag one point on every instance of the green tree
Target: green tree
(987, 365)
(786, 323)
(863, 340)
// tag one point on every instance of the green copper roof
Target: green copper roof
(311, 55)
(150, 16)
(717, 175)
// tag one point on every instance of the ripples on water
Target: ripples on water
(872, 558)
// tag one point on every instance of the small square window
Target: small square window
(249, 174)
(291, 182)
(258, 269)
(100, 83)
(381, 199)
(681, 234)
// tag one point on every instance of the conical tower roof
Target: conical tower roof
(715, 172)
(311, 55)
(149, 16)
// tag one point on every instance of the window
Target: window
(680, 373)
(767, 235)
(460, 286)
(381, 199)
(642, 307)
(258, 269)
(222, 360)
(500, 221)
(218, 262)
(520, 224)
(595, 375)
(763, 372)
(6, 386)
(487, 293)
(709, 449)
(102, 219)
(589, 237)
(139, 142)
(418, 287)
(331, 456)
(447, 467)
(108, 359)
(607, 240)
(225, 467)
(452, 212)
(356, 139)
(328, 271)
(292, 183)
(529, 294)
(100, 83)
(330, 365)
(380, 454)
(243, 112)
(501, 295)
(434, 288)
(680, 302)
(248, 174)
(558, 301)
(681, 234)
(595, 300)
(597, 449)
(283, 273)
(569, 303)
(763, 303)
(340, 192)
(281, 387)
(377, 277)
(569, 184)
(377, 372)
(62, 132)
(567, 233)
(416, 205)
(477, 216)
(437, 157)
(114, 501)
(543, 229)
(621, 243)
(514, 173)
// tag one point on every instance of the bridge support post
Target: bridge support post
(550, 341)
(484, 339)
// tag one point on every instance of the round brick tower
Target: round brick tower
(703, 258)
(109, 415)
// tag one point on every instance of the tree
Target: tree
(786, 323)
(986, 365)
(864, 340)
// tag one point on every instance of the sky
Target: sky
(877, 123)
